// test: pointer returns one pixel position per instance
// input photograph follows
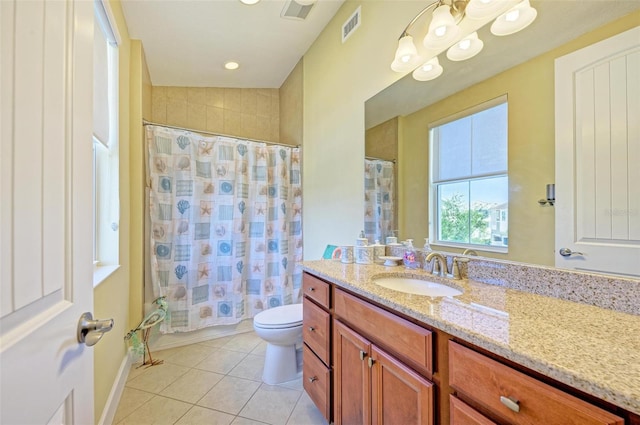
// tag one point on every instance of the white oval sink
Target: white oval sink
(417, 286)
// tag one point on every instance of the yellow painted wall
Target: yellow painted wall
(111, 297)
(530, 91)
(338, 79)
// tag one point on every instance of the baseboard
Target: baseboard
(110, 408)
(166, 341)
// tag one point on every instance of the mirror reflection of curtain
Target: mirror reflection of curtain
(379, 199)
(226, 234)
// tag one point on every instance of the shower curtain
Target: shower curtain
(379, 199)
(226, 231)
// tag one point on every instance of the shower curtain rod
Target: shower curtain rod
(379, 159)
(145, 122)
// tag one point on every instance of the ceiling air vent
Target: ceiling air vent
(351, 25)
(294, 10)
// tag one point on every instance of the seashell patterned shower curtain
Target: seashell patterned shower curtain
(226, 227)
(379, 199)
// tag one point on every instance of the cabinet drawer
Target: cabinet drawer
(463, 414)
(405, 340)
(492, 384)
(316, 381)
(316, 331)
(316, 289)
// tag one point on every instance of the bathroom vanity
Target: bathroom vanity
(491, 355)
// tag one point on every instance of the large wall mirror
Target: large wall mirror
(520, 67)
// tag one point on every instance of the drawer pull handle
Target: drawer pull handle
(313, 379)
(362, 355)
(312, 329)
(510, 403)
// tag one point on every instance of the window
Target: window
(469, 181)
(105, 143)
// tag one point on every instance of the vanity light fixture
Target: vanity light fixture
(249, 2)
(453, 26)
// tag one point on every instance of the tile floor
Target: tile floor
(214, 383)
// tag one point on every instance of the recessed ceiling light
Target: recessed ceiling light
(231, 65)
(249, 2)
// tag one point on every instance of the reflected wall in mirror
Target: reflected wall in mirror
(522, 68)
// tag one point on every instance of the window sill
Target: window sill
(101, 273)
(477, 248)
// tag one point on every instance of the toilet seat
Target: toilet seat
(286, 316)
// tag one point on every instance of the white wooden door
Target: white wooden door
(46, 71)
(598, 156)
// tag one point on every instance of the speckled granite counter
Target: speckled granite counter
(589, 348)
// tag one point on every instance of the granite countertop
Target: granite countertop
(592, 349)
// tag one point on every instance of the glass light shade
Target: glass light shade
(515, 19)
(466, 48)
(406, 49)
(442, 29)
(249, 2)
(428, 71)
(482, 9)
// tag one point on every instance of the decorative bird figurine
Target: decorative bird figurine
(142, 347)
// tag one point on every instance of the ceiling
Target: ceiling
(187, 42)
(558, 22)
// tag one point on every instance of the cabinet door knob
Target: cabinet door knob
(371, 362)
(362, 355)
(510, 403)
(311, 288)
(313, 379)
(312, 329)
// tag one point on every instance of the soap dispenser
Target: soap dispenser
(410, 259)
(427, 246)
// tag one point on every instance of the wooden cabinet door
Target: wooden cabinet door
(352, 378)
(399, 395)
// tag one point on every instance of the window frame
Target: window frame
(106, 209)
(434, 210)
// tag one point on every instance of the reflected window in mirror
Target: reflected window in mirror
(469, 178)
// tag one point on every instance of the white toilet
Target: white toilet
(281, 328)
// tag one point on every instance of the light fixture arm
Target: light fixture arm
(456, 6)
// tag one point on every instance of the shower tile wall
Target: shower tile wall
(250, 113)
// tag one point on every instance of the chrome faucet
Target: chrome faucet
(439, 265)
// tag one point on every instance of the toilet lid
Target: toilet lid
(285, 316)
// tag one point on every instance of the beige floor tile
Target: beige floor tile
(306, 413)
(221, 361)
(239, 420)
(272, 404)
(217, 342)
(296, 384)
(200, 416)
(156, 378)
(229, 395)
(130, 400)
(190, 355)
(157, 411)
(250, 367)
(261, 349)
(136, 370)
(191, 386)
(244, 342)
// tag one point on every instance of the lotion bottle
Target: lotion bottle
(410, 259)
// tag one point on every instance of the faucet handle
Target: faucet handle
(456, 268)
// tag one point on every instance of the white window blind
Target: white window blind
(471, 146)
(100, 86)
(104, 34)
